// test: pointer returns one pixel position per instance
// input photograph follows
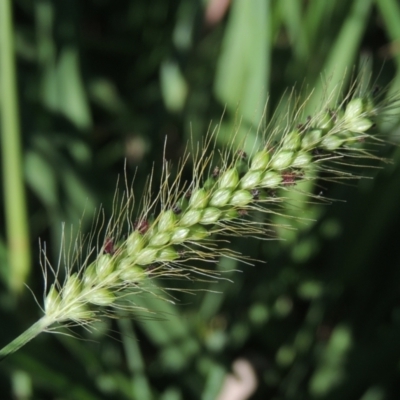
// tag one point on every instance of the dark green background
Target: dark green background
(104, 82)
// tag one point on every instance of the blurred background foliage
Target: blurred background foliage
(104, 82)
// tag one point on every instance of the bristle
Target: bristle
(180, 223)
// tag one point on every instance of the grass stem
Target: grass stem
(35, 329)
(14, 192)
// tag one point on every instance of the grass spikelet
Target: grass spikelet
(186, 222)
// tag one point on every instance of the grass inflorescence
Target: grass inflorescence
(182, 222)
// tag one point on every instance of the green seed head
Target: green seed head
(354, 109)
(160, 239)
(311, 139)
(191, 217)
(230, 214)
(90, 276)
(104, 266)
(251, 179)
(180, 235)
(324, 122)
(52, 301)
(271, 180)
(72, 287)
(302, 160)
(167, 254)
(166, 221)
(100, 297)
(182, 231)
(360, 125)
(146, 256)
(78, 312)
(332, 142)
(220, 197)
(282, 160)
(133, 274)
(210, 216)
(291, 141)
(198, 232)
(229, 179)
(198, 199)
(135, 243)
(209, 183)
(241, 198)
(259, 161)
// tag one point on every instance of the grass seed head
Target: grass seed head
(218, 201)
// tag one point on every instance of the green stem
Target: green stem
(14, 192)
(25, 337)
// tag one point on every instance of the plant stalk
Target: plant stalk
(14, 191)
(37, 328)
